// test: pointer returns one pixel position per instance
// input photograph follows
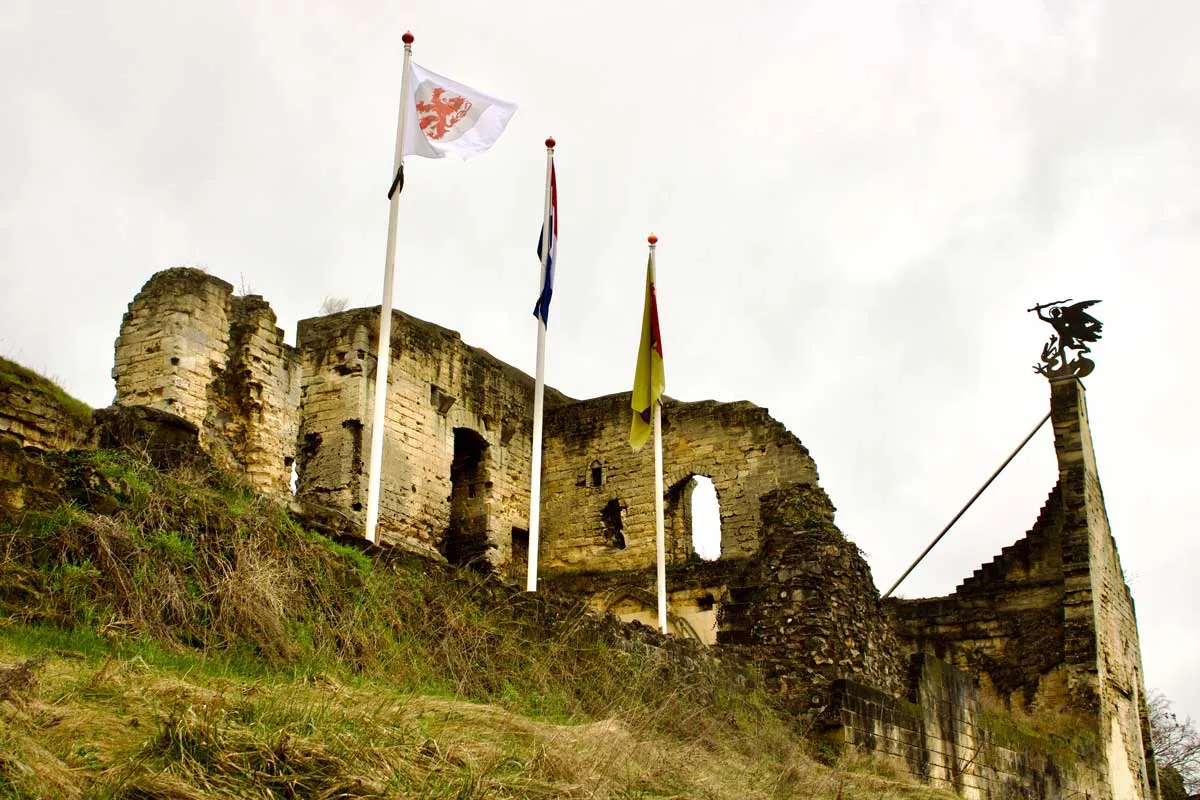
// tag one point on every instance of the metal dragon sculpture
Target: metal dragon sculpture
(1064, 355)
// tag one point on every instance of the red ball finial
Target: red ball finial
(550, 142)
(407, 38)
(652, 239)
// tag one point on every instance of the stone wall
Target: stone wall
(811, 609)
(457, 444)
(1005, 622)
(1101, 645)
(938, 734)
(189, 347)
(37, 414)
(698, 592)
(1049, 625)
(598, 494)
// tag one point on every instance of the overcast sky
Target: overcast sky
(856, 202)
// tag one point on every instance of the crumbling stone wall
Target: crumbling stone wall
(698, 593)
(1050, 623)
(37, 414)
(1103, 654)
(811, 610)
(443, 396)
(595, 487)
(189, 347)
(938, 733)
(1005, 622)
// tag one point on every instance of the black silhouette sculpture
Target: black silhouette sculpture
(1074, 329)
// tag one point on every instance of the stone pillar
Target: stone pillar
(174, 341)
(190, 348)
(1100, 641)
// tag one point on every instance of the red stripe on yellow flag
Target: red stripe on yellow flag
(649, 381)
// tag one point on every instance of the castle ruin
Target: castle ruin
(1047, 626)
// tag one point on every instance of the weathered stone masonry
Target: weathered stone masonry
(1049, 625)
(457, 448)
(589, 464)
(189, 347)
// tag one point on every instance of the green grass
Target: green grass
(196, 641)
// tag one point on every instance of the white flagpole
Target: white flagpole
(384, 354)
(660, 535)
(535, 461)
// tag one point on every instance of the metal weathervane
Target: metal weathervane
(1063, 356)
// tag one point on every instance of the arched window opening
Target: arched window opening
(706, 520)
(596, 478)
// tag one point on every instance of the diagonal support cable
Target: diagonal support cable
(963, 510)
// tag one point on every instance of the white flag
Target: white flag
(447, 118)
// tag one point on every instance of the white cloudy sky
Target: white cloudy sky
(856, 202)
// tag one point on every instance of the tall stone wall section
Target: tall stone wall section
(593, 483)
(811, 609)
(938, 733)
(440, 391)
(190, 348)
(1049, 625)
(1101, 644)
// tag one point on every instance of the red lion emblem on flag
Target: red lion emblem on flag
(442, 112)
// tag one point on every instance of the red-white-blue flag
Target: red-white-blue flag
(542, 309)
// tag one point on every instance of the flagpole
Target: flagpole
(535, 461)
(659, 533)
(384, 355)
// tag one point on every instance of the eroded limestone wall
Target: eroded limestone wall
(37, 414)
(811, 608)
(939, 734)
(595, 486)
(1050, 623)
(1102, 650)
(441, 391)
(702, 596)
(1005, 622)
(189, 347)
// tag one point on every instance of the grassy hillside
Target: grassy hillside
(175, 636)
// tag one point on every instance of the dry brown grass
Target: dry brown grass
(121, 729)
(203, 644)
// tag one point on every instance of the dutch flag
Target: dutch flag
(542, 309)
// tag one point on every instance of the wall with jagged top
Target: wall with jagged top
(443, 396)
(189, 347)
(590, 469)
(1005, 622)
(1049, 624)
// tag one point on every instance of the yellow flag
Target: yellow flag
(649, 382)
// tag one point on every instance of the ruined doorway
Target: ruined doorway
(466, 539)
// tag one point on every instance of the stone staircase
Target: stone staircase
(1022, 554)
